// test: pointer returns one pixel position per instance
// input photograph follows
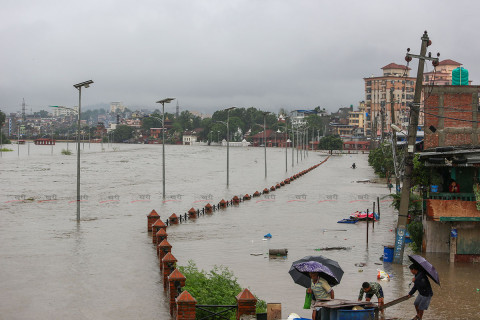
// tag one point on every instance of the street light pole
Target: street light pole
(79, 86)
(167, 100)
(228, 145)
(265, 139)
(286, 144)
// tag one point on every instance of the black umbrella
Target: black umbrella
(304, 280)
(427, 266)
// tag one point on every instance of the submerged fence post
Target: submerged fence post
(373, 215)
(246, 304)
(185, 306)
(176, 281)
(367, 227)
(378, 205)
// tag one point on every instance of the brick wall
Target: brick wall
(445, 108)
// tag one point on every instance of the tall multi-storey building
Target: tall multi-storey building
(442, 76)
(378, 89)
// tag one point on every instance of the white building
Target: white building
(62, 111)
(114, 106)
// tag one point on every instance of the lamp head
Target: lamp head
(85, 84)
(166, 100)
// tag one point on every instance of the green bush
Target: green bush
(219, 286)
(415, 228)
(66, 152)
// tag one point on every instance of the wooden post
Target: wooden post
(274, 311)
(185, 306)
(378, 206)
(373, 215)
(367, 227)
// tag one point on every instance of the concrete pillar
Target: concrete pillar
(247, 304)
(176, 281)
(185, 306)
(151, 218)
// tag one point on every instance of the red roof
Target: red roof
(449, 63)
(395, 66)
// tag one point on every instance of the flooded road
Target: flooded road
(106, 267)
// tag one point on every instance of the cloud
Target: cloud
(211, 54)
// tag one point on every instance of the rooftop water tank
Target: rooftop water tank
(460, 77)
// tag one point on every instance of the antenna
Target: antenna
(177, 112)
(23, 110)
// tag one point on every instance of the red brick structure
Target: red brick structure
(156, 227)
(185, 306)
(164, 249)
(247, 303)
(451, 116)
(168, 263)
(176, 280)
(192, 213)
(208, 208)
(223, 203)
(151, 218)
(173, 219)
(161, 235)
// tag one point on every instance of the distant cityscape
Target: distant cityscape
(387, 97)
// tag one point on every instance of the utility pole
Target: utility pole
(382, 119)
(394, 142)
(412, 136)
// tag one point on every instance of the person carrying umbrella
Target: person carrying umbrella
(425, 293)
(320, 289)
(318, 274)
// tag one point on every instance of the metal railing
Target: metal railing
(212, 312)
(452, 196)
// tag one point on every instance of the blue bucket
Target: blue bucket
(387, 254)
(367, 314)
(434, 188)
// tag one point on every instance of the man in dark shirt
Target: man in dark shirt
(425, 293)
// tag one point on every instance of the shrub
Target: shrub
(415, 228)
(66, 152)
(219, 286)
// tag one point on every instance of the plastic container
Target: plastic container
(387, 254)
(367, 314)
(434, 188)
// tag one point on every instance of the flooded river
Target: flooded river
(106, 266)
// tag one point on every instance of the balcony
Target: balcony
(452, 207)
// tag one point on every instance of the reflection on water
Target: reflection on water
(106, 267)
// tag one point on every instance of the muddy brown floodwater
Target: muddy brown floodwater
(106, 267)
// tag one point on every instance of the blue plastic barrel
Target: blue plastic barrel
(367, 314)
(387, 254)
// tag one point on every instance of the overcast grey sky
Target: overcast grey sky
(210, 54)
